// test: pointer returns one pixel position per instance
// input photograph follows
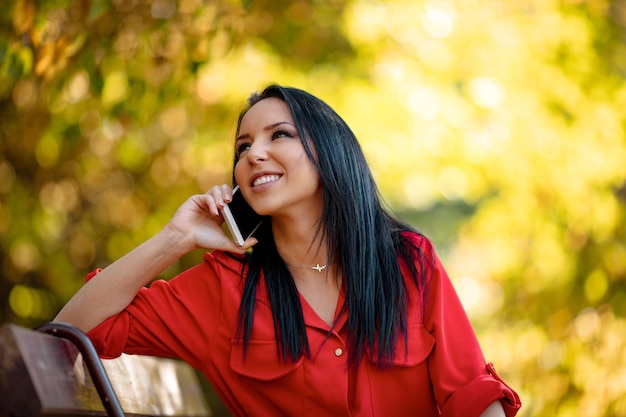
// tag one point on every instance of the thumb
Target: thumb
(232, 247)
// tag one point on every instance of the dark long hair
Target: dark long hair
(362, 237)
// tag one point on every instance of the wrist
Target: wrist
(176, 241)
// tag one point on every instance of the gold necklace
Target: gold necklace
(317, 267)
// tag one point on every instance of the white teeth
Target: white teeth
(265, 179)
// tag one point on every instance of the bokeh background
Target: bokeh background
(495, 127)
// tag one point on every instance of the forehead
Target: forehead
(267, 111)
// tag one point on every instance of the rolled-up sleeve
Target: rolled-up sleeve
(464, 384)
(176, 318)
(479, 393)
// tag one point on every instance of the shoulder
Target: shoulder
(217, 266)
(225, 266)
(416, 240)
(225, 260)
(417, 258)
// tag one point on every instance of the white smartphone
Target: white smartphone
(241, 219)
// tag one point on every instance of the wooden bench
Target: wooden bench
(45, 372)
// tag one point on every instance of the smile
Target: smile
(265, 179)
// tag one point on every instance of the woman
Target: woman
(339, 308)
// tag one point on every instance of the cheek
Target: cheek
(239, 172)
(308, 173)
(307, 164)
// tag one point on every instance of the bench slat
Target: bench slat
(42, 375)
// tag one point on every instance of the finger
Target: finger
(218, 192)
(206, 202)
(227, 193)
(233, 247)
(215, 196)
(250, 242)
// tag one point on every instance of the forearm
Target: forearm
(494, 410)
(114, 288)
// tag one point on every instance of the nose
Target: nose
(257, 152)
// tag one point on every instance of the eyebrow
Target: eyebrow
(266, 128)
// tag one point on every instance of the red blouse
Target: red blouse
(194, 317)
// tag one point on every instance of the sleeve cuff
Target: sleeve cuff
(472, 399)
(92, 274)
(107, 345)
(101, 335)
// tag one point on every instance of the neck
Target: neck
(300, 245)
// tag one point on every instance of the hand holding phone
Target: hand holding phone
(241, 219)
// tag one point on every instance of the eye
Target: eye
(241, 148)
(281, 134)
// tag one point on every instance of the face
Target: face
(273, 170)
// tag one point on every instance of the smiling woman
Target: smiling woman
(331, 289)
(273, 169)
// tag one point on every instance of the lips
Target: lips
(264, 179)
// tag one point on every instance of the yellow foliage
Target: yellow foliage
(497, 128)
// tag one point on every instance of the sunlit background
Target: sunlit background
(495, 127)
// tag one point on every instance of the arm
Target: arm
(494, 410)
(196, 224)
(462, 382)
